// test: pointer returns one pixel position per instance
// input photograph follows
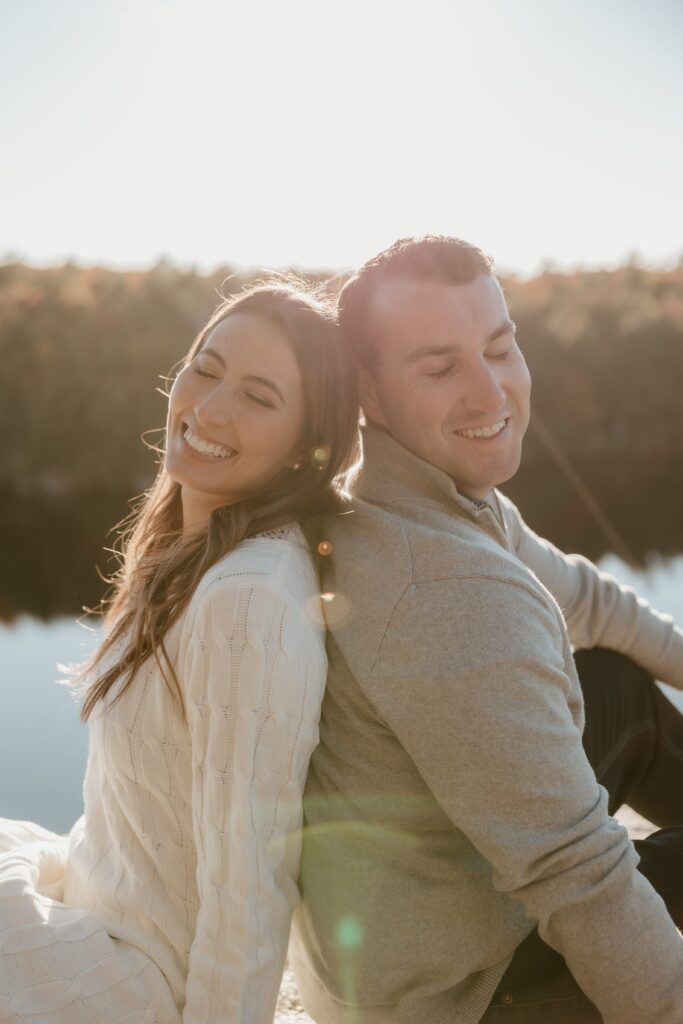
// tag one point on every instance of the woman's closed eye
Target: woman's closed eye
(203, 371)
(260, 400)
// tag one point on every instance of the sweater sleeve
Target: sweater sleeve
(253, 678)
(599, 611)
(486, 707)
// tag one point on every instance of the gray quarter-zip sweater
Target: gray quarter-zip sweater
(450, 806)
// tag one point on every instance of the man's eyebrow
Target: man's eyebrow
(430, 350)
(509, 326)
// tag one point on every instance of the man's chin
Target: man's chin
(480, 487)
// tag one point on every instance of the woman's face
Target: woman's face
(235, 415)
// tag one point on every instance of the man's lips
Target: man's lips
(487, 432)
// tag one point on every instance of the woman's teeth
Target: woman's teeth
(495, 428)
(206, 447)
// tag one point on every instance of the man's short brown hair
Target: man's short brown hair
(429, 258)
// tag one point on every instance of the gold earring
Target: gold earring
(320, 455)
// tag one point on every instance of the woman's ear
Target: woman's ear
(369, 399)
(297, 461)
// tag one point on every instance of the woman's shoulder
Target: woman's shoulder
(275, 561)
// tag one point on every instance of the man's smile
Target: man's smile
(492, 431)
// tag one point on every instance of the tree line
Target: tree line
(85, 351)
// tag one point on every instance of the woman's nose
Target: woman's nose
(214, 408)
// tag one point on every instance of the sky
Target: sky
(313, 133)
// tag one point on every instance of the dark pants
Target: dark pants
(634, 741)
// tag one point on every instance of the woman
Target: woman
(174, 892)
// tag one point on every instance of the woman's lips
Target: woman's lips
(203, 448)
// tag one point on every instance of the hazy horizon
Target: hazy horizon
(313, 135)
(189, 266)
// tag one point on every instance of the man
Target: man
(459, 861)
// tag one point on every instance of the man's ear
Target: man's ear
(369, 399)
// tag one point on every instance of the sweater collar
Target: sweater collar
(392, 472)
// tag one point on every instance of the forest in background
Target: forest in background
(84, 349)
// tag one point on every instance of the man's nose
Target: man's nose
(484, 389)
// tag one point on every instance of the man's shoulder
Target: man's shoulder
(362, 538)
(512, 517)
(370, 560)
(403, 546)
(383, 559)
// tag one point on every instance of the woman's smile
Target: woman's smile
(201, 446)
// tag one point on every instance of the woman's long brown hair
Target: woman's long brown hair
(160, 569)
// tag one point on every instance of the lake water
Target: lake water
(43, 746)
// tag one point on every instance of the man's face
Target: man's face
(451, 384)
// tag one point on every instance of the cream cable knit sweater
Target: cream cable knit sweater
(183, 867)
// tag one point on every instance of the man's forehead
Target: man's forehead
(405, 309)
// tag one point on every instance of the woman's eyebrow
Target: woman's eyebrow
(207, 350)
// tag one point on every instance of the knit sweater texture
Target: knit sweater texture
(172, 897)
(450, 806)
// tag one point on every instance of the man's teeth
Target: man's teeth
(206, 447)
(495, 428)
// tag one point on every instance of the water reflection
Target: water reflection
(52, 544)
(44, 746)
(43, 749)
(639, 497)
(50, 549)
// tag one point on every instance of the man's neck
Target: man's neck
(477, 502)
